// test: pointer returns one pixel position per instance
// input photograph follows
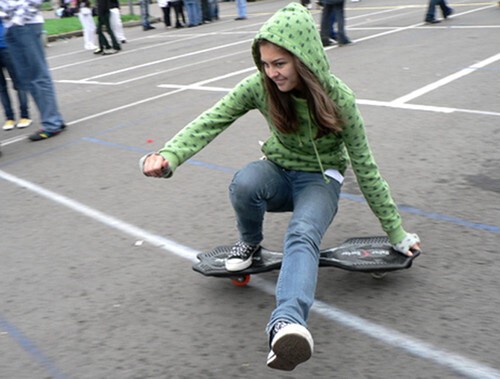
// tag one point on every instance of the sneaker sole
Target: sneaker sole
(291, 349)
(240, 266)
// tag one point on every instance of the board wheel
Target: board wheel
(241, 281)
(379, 275)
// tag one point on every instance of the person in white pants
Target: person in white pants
(115, 21)
(88, 24)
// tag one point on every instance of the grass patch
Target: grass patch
(55, 26)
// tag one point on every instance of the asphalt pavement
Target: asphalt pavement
(95, 259)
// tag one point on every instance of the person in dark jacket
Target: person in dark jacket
(103, 17)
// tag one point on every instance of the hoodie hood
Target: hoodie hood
(294, 29)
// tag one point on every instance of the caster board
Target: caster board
(372, 255)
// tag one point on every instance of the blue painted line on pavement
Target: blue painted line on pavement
(432, 215)
(355, 198)
(31, 348)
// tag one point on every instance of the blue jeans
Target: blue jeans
(262, 187)
(193, 8)
(28, 55)
(333, 13)
(22, 95)
(144, 6)
(241, 6)
(431, 11)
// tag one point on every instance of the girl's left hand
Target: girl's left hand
(409, 243)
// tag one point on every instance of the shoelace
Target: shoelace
(239, 249)
(276, 328)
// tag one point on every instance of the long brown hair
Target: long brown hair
(281, 105)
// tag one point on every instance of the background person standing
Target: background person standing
(146, 25)
(103, 21)
(22, 95)
(24, 29)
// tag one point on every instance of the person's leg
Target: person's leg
(114, 41)
(315, 205)
(445, 9)
(431, 11)
(25, 120)
(4, 95)
(177, 10)
(333, 33)
(144, 13)
(215, 9)
(191, 12)
(199, 16)
(103, 41)
(325, 27)
(241, 6)
(258, 187)
(22, 95)
(28, 55)
(181, 10)
(338, 10)
(115, 21)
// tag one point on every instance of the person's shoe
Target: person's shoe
(123, 41)
(433, 21)
(43, 134)
(111, 51)
(240, 256)
(98, 51)
(9, 125)
(240, 18)
(291, 344)
(345, 42)
(448, 13)
(23, 123)
(149, 27)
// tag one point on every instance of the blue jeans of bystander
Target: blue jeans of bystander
(193, 8)
(241, 6)
(22, 95)
(28, 55)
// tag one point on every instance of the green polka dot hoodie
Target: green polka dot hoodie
(294, 29)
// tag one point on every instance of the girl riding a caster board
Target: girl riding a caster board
(316, 130)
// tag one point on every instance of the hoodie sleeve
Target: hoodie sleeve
(373, 186)
(201, 131)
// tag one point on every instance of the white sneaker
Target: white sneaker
(240, 256)
(23, 123)
(9, 125)
(291, 344)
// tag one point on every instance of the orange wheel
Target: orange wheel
(241, 281)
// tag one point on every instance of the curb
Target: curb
(79, 33)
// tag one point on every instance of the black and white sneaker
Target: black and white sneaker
(291, 344)
(240, 256)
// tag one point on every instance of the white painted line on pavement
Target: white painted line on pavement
(450, 78)
(413, 346)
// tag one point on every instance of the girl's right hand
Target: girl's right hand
(155, 165)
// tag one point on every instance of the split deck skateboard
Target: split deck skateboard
(372, 255)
